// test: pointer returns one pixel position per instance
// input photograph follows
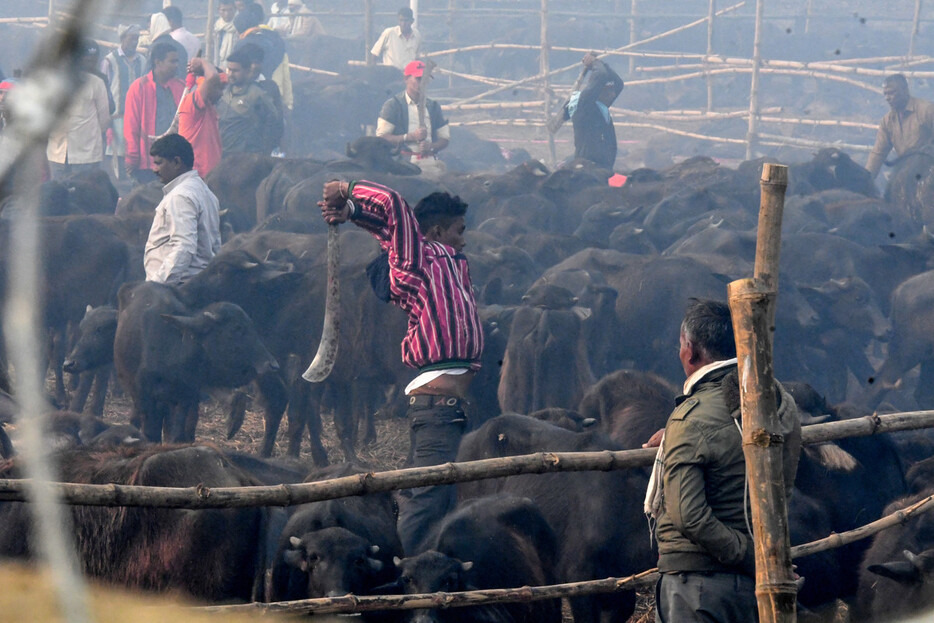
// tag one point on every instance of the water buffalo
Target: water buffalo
(165, 353)
(491, 542)
(213, 555)
(596, 516)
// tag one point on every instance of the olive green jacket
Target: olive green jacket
(701, 524)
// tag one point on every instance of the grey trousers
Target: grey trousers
(706, 598)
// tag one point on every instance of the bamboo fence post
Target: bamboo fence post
(632, 35)
(754, 87)
(209, 33)
(452, 40)
(368, 31)
(711, 11)
(915, 26)
(543, 69)
(752, 303)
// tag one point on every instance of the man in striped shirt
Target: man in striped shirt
(430, 280)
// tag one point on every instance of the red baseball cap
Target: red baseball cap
(6, 85)
(415, 68)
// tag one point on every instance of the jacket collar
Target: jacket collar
(700, 373)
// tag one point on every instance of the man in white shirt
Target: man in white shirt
(77, 144)
(121, 67)
(185, 233)
(399, 45)
(293, 21)
(189, 41)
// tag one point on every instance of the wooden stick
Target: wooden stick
(544, 66)
(752, 302)
(364, 603)
(360, 484)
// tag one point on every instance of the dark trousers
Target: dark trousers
(437, 425)
(706, 598)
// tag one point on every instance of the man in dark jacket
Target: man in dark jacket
(589, 112)
(705, 549)
(248, 118)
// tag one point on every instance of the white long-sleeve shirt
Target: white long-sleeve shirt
(185, 233)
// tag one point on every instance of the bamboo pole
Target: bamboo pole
(13, 490)
(752, 303)
(364, 603)
(368, 31)
(209, 33)
(633, 33)
(754, 86)
(711, 11)
(452, 7)
(914, 29)
(809, 9)
(544, 67)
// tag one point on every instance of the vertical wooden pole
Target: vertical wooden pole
(209, 33)
(711, 13)
(809, 11)
(915, 24)
(413, 4)
(368, 31)
(752, 304)
(633, 34)
(754, 88)
(452, 40)
(51, 12)
(544, 66)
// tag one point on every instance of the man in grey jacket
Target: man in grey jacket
(705, 548)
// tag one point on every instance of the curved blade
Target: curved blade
(323, 362)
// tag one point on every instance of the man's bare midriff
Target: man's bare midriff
(447, 385)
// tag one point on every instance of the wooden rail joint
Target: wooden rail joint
(762, 438)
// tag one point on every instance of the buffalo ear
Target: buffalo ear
(901, 571)
(294, 558)
(199, 323)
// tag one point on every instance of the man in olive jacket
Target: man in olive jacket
(705, 550)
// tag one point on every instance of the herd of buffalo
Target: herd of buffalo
(582, 288)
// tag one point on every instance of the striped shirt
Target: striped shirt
(427, 279)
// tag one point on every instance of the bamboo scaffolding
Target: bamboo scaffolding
(544, 66)
(711, 13)
(765, 70)
(447, 473)
(472, 77)
(914, 28)
(533, 104)
(575, 66)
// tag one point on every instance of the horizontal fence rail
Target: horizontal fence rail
(447, 473)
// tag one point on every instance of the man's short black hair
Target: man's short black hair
(896, 80)
(251, 16)
(439, 208)
(406, 12)
(174, 146)
(252, 51)
(173, 14)
(241, 56)
(709, 327)
(159, 51)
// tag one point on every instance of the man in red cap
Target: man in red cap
(417, 140)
